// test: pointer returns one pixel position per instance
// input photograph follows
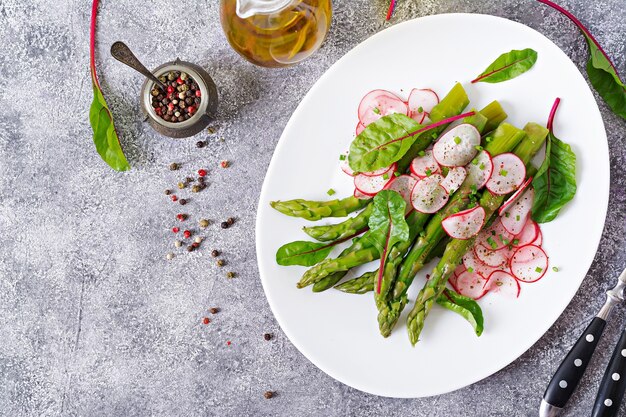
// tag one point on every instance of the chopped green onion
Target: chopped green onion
(473, 188)
(330, 192)
(397, 174)
(376, 110)
(428, 172)
(342, 157)
(507, 214)
(488, 139)
(504, 172)
(538, 269)
(385, 176)
(421, 153)
(457, 140)
(470, 269)
(479, 148)
(482, 166)
(555, 269)
(420, 109)
(517, 218)
(475, 161)
(515, 241)
(492, 243)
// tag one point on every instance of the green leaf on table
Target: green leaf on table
(303, 253)
(387, 226)
(508, 65)
(465, 306)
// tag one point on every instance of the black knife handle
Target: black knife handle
(572, 369)
(613, 383)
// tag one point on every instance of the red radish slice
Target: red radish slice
(371, 185)
(421, 102)
(361, 195)
(452, 282)
(480, 169)
(359, 128)
(426, 120)
(494, 237)
(386, 170)
(425, 165)
(464, 224)
(539, 239)
(514, 196)
(493, 258)
(345, 167)
(403, 185)
(503, 283)
(471, 284)
(529, 263)
(515, 216)
(459, 270)
(508, 174)
(473, 264)
(428, 196)
(528, 235)
(379, 103)
(454, 179)
(457, 147)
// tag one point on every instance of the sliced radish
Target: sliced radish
(386, 170)
(529, 263)
(502, 282)
(495, 236)
(428, 196)
(508, 174)
(471, 284)
(424, 165)
(379, 103)
(371, 185)
(528, 235)
(361, 196)
(421, 102)
(403, 185)
(514, 196)
(464, 224)
(359, 128)
(539, 239)
(480, 169)
(457, 147)
(459, 270)
(493, 258)
(473, 264)
(454, 179)
(345, 167)
(515, 216)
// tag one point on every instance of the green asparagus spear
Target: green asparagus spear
(359, 285)
(455, 250)
(338, 231)
(316, 210)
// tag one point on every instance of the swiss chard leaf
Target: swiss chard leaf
(387, 140)
(104, 135)
(601, 71)
(555, 181)
(387, 226)
(466, 307)
(303, 253)
(508, 65)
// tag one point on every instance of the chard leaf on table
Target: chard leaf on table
(387, 226)
(104, 135)
(387, 140)
(555, 181)
(601, 71)
(508, 66)
(465, 306)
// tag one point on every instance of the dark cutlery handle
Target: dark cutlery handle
(613, 383)
(572, 369)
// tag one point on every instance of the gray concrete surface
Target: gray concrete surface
(95, 322)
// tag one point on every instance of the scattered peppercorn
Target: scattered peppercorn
(269, 394)
(230, 221)
(228, 342)
(174, 166)
(182, 185)
(230, 275)
(195, 245)
(174, 198)
(225, 164)
(201, 180)
(225, 225)
(178, 243)
(174, 107)
(196, 188)
(203, 223)
(187, 234)
(267, 336)
(198, 239)
(206, 320)
(183, 201)
(215, 253)
(221, 262)
(210, 130)
(175, 229)
(190, 248)
(168, 192)
(202, 172)
(169, 256)
(200, 144)
(181, 217)
(214, 310)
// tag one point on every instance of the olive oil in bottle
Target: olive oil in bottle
(276, 33)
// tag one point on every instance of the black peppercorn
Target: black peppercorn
(200, 144)
(269, 394)
(168, 192)
(267, 336)
(230, 221)
(182, 201)
(214, 310)
(174, 166)
(215, 253)
(195, 244)
(224, 225)
(190, 248)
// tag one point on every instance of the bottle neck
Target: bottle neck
(249, 8)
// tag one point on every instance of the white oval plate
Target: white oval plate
(338, 332)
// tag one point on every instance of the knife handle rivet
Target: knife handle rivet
(624, 353)
(589, 338)
(577, 363)
(608, 402)
(615, 376)
(563, 384)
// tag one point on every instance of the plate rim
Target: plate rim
(264, 190)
